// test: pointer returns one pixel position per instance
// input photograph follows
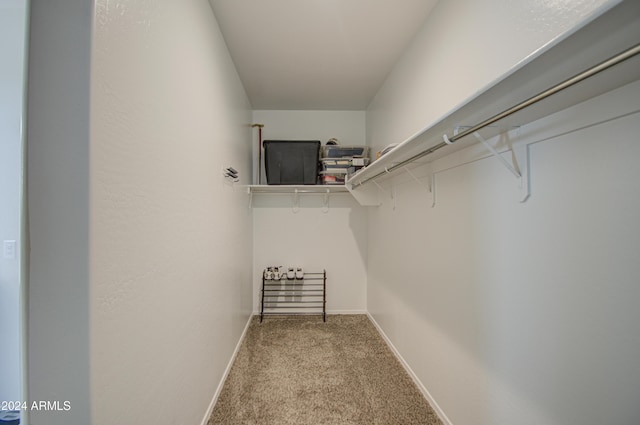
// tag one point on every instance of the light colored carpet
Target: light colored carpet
(300, 370)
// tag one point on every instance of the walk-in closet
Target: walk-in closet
(456, 242)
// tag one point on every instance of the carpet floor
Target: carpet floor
(300, 370)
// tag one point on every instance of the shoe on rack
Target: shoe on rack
(277, 273)
(291, 273)
(299, 273)
(268, 273)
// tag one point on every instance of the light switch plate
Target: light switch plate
(9, 249)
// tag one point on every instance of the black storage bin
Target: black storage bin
(291, 161)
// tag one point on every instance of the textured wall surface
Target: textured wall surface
(510, 313)
(521, 313)
(463, 47)
(170, 239)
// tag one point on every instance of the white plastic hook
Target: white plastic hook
(446, 139)
(230, 174)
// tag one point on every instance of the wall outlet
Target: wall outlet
(9, 249)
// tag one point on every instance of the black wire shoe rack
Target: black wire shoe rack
(307, 295)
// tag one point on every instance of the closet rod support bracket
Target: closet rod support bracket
(519, 167)
(521, 154)
(295, 205)
(391, 192)
(429, 186)
(250, 193)
(325, 201)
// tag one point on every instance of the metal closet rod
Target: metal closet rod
(614, 60)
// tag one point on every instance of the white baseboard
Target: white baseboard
(257, 313)
(226, 373)
(413, 376)
(346, 311)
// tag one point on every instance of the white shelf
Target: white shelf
(275, 189)
(296, 191)
(609, 34)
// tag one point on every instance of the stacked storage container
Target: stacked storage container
(338, 162)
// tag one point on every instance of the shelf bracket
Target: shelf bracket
(430, 187)
(325, 202)
(391, 192)
(381, 189)
(295, 206)
(497, 155)
(522, 157)
(433, 190)
(519, 168)
(250, 193)
(365, 195)
(393, 196)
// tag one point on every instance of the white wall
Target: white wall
(522, 313)
(12, 52)
(507, 312)
(170, 240)
(464, 46)
(140, 252)
(310, 238)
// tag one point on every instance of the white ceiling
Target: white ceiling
(317, 54)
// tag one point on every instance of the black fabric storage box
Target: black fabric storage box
(291, 161)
